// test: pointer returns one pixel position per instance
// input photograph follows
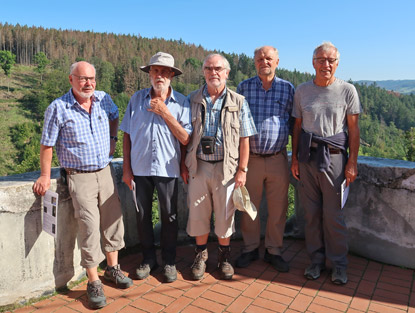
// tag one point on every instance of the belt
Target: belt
(212, 162)
(73, 171)
(331, 150)
(265, 155)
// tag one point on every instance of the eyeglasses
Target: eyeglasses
(83, 79)
(217, 69)
(323, 60)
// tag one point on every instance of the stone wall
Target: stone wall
(379, 214)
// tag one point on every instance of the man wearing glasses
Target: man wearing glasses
(326, 112)
(216, 162)
(270, 101)
(156, 123)
(83, 124)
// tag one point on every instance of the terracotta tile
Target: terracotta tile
(197, 290)
(225, 290)
(139, 291)
(269, 305)
(371, 275)
(63, 309)
(330, 303)
(391, 296)
(149, 306)
(208, 304)
(217, 297)
(394, 304)
(258, 309)
(116, 305)
(178, 305)
(350, 310)
(381, 308)
(234, 284)
(194, 309)
(253, 290)
(283, 289)
(395, 281)
(317, 308)
(359, 303)
(25, 309)
(276, 297)
(366, 287)
(310, 288)
(239, 305)
(158, 298)
(301, 302)
(393, 288)
(267, 276)
(168, 290)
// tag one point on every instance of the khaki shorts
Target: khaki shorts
(205, 193)
(99, 215)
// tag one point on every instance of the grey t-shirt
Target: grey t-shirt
(323, 110)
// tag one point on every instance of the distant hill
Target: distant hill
(402, 86)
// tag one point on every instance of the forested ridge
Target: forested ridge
(40, 74)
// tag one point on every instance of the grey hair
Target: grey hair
(224, 60)
(326, 46)
(260, 48)
(75, 65)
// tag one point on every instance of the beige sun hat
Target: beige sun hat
(243, 203)
(162, 59)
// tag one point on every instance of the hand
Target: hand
(240, 178)
(350, 172)
(157, 106)
(41, 185)
(184, 173)
(127, 177)
(295, 169)
(112, 146)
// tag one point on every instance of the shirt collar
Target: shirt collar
(206, 93)
(171, 98)
(274, 81)
(72, 101)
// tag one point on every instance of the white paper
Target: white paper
(134, 194)
(50, 213)
(344, 193)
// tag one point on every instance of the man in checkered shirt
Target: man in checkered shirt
(83, 126)
(270, 100)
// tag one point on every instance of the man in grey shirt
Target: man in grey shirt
(326, 112)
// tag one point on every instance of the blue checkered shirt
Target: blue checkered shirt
(212, 118)
(271, 110)
(82, 140)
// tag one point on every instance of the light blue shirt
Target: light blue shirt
(155, 151)
(82, 140)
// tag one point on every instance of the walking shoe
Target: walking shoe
(313, 271)
(115, 275)
(224, 265)
(95, 294)
(170, 273)
(199, 265)
(277, 262)
(339, 276)
(145, 268)
(246, 258)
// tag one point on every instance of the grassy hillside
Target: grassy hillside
(12, 112)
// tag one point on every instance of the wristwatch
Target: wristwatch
(243, 169)
(114, 137)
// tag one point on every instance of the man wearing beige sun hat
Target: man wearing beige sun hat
(156, 123)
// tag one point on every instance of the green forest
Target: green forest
(34, 71)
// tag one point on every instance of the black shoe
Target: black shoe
(115, 275)
(144, 269)
(276, 261)
(339, 276)
(313, 271)
(95, 295)
(246, 258)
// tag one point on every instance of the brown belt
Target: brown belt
(72, 171)
(331, 150)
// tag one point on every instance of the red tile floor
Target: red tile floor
(372, 287)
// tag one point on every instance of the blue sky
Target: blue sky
(376, 38)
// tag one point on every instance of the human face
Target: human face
(160, 77)
(266, 62)
(215, 72)
(324, 69)
(81, 87)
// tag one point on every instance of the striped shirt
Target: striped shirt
(271, 110)
(212, 118)
(82, 140)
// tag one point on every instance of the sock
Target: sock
(202, 247)
(224, 247)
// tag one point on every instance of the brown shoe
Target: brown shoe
(199, 265)
(224, 264)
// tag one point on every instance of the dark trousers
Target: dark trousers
(167, 190)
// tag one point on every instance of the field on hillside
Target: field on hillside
(12, 112)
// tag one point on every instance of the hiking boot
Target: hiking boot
(170, 273)
(277, 262)
(313, 271)
(339, 276)
(115, 275)
(246, 258)
(199, 264)
(224, 265)
(144, 269)
(95, 295)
